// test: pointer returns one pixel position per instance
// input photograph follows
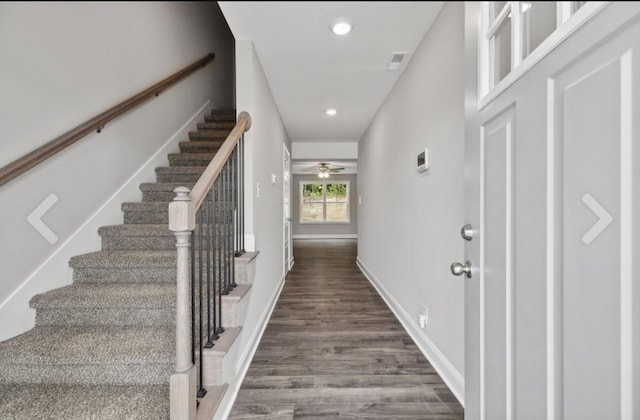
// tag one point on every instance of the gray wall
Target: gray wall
(409, 222)
(264, 214)
(350, 228)
(63, 63)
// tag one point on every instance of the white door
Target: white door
(286, 195)
(552, 309)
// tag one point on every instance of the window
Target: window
(325, 202)
(513, 30)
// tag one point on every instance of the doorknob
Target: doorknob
(289, 219)
(457, 269)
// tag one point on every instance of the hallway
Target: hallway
(333, 349)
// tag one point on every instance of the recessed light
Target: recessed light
(331, 111)
(341, 28)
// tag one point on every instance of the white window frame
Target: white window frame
(568, 21)
(324, 182)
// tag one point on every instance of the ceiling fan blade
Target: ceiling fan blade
(336, 169)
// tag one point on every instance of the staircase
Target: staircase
(104, 346)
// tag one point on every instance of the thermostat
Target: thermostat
(423, 160)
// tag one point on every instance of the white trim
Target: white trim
(55, 272)
(510, 267)
(328, 236)
(551, 246)
(579, 18)
(244, 361)
(626, 238)
(482, 344)
(449, 374)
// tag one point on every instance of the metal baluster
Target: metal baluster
(201, 391)
(212, 229)
(232, 212)
(208, 210)
(229, 224)
(220, 222)
(242, 249)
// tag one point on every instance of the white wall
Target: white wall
(408, 222)
(264, 214)
(63, 63)
(336, 230)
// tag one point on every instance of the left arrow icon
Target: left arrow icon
(35, 218)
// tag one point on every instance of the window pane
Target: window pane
(501, 52)
(336, 192)
(337, 212)
(496, 8)
(312, 193)
(538, 22)
(312, 212)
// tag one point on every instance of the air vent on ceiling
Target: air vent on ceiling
(397, 58)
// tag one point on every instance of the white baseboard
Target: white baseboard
(446, 370)
(55, 272)
(247, 355)
(327, 236)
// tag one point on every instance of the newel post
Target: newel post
(183, 381)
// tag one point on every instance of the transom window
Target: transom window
(512, 31)
(324, 202)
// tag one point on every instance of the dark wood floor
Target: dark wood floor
(333, 350)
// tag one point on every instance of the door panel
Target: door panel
(497, 266)
(552, 311)
(593, 314)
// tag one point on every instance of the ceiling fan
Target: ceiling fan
(323, 169)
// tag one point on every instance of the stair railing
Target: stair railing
(42, 153)
(208, 223)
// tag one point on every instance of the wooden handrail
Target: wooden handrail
(210, 174)
(37, 156)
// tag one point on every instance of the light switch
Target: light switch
(273, 178)
(258, 190)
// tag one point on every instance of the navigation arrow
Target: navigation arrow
(35, 218)
(604, 219)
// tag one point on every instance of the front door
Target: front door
(552, 307)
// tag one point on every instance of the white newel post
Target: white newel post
(183, 381)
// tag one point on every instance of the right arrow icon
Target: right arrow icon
(604, 218)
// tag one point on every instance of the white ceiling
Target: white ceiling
(311, 69)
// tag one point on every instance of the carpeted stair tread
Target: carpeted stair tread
(83, 402)
(154, 206)
(179, 173)
(181, 170)
(136, 230)
(124, 259)
(218, 125)
(200, 146)
(137, 237)
(90, 345)
(190, 159)
(220, 117)
(210, 135)
(127, 295)
(164, 186)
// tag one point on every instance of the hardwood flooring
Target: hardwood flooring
(334, 350)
